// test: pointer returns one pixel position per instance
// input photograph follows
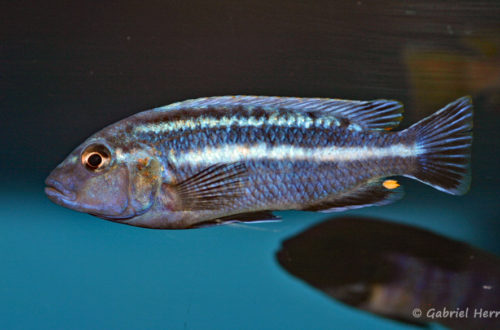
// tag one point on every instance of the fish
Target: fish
(397, 271)
(218, 160)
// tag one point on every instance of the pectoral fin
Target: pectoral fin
(378, 192)
(212, 188)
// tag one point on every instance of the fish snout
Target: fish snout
(57, 192)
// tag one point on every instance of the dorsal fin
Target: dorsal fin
(375, 114)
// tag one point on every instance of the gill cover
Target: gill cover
(144, 182)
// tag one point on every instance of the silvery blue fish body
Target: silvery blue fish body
(236, 158)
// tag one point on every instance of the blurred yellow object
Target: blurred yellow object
(390, 184)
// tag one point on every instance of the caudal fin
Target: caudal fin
(444, 145)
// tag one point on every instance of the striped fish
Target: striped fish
(236, 158)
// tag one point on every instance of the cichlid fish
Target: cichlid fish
(236, 158)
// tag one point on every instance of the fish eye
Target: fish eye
(96, 157)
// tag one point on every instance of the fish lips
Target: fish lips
(57, 193)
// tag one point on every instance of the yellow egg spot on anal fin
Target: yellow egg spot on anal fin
(390, 184)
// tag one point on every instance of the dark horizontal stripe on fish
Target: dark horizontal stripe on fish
(272, 136)
(176, 121)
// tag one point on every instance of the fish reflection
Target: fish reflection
(391, 269)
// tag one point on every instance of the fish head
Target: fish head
(106, 179)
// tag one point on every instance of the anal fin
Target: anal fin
(377, 192)
(253, 217)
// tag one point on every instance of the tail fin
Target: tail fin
(444, 142)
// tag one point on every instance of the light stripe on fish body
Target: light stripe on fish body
(236, 158)
(262, 151)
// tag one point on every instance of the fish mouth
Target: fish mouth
(57, 193)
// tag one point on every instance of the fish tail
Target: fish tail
(443, 142)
